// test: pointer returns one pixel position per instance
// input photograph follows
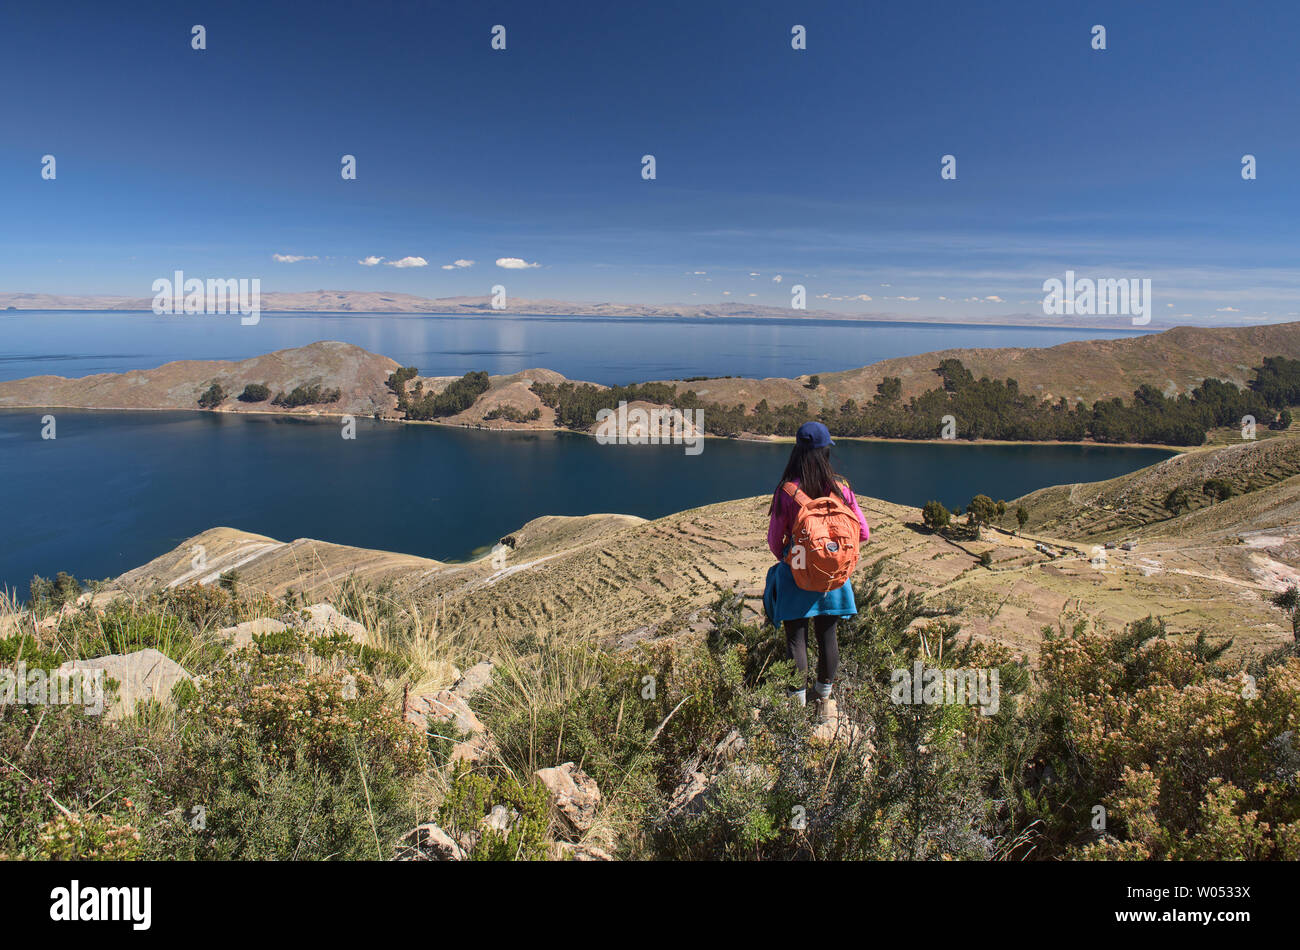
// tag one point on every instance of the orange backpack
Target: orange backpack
(824, 541)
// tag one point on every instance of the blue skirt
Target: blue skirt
(784, 600)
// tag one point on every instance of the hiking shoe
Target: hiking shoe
(827, 712)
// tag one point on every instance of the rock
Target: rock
(143, 675)
(568, 851)
(574, 794)
(689, 797)
(242, 634)
(428, 842)
(475, 678)
(443, 706)
(498, 819)
(322, 620)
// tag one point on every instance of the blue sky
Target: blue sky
(818, 166)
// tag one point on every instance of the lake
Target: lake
(608, 350)
(116, 489)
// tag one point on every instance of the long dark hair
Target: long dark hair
(811, 468)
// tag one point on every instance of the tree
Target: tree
(255, 392)
(214, 397)
(814, 382)
(1283, 420)
(1002, 510)
(1176, 500)
(981, 511)
(935, 516)
(1287, 599)
(889, 390)
(1022, 516)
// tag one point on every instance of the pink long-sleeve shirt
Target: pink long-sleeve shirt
(778, 529)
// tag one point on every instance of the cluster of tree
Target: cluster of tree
(576, 404)
(981, 511)
(212, 397)
(511, 414)
(456, 397)
(306, 396)
(1278, 382)
(979, 409)
(255, 392)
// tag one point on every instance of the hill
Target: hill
(1174, 361)
(621, 580)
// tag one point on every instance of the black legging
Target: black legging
(828, 647)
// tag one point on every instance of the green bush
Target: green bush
(255, 392)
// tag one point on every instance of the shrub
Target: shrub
(255, 392)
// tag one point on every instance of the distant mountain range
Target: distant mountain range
(363, 301)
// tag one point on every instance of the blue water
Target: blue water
(116, 489)
(601, 350)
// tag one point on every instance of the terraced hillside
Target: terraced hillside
(1107, 510)
(620, 579)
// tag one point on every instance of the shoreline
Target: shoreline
(1171, 449)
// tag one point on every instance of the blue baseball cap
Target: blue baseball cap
(813, 434)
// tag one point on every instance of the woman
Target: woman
(810, 469)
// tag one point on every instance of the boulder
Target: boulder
(443, 706)
(426, 711)
(242, 633)
(143, 675)
(574, 795)
(322, 620)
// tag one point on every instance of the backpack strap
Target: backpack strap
(795, 492)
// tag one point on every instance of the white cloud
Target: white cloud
(293, 258)
(993, 297)
(1227, 310)
(369, 261)
(755, 273)
(862, 297)
(699, 273)
(457, 264)
(777, 279)
(409, 262)
(515, 263)
(726, 293)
